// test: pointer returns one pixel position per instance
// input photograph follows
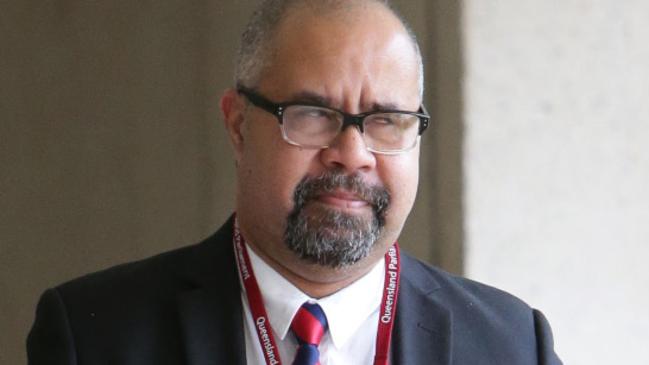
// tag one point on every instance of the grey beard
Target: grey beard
(331, 237)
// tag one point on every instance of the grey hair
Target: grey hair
(255, 50)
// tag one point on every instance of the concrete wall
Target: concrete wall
(557, 166)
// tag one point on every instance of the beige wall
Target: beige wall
(557, 166)
(111, 148)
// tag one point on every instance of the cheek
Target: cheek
(271, 171)
(400, 174)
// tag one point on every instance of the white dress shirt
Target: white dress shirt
(352, 314)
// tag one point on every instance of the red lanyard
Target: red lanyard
(262, 324)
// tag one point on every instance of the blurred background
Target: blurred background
(534, 176)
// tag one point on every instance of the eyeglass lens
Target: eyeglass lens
(317, 127)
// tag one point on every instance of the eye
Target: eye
(383, 119)
(316, 113)
(311, 113)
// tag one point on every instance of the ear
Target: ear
(233, 109)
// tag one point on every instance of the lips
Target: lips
(336, 191)
(342, 199)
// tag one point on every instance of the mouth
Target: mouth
(340, 195)
(342, 200)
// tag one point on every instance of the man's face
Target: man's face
(356, 62)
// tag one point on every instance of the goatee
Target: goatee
(331, 237)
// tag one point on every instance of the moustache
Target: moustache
(311, 188)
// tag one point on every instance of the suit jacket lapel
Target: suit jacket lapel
(211, 317)
(422, 333)
(210, 311)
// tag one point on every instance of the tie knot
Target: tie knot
(309, 324)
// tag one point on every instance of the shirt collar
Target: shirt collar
(346, 309)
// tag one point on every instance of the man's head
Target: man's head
(307, 209)
(258, 40)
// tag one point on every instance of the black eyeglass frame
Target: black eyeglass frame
(277, 109)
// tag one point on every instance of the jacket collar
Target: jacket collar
(422, 333)
(211, 314)
(210, 310)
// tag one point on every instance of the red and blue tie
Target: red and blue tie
(309, 325)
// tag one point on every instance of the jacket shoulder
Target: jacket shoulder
(460, 290)
(164, 271)
(486, 324)
(125, 311)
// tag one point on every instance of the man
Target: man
(325, 123)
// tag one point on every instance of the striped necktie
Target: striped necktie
(309, 325)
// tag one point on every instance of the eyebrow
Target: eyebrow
(377, 107)
(310, 97)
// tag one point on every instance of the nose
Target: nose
(348, 152)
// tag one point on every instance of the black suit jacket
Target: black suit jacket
(184, 307)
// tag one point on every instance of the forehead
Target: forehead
(362, 55)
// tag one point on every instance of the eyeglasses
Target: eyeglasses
(315, 126)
